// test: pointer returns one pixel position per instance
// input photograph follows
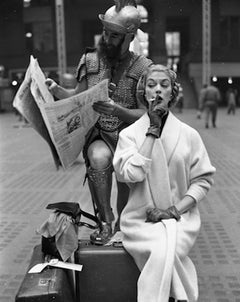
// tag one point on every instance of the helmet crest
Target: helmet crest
(121, 3)
(123, 17)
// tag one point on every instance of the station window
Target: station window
(38, 29)
(172, 41)
(32, 3)
(230, 31)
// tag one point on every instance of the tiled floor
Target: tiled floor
(29, 181)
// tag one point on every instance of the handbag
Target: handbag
(73, 210)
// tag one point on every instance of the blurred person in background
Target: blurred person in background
(180, 101)
(231, 101)
(210, 100)
(112, 60)
(200, 101)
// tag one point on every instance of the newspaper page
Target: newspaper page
(39, 89)
(69, 120)
(26, 104)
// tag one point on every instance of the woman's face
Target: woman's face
(158, 90)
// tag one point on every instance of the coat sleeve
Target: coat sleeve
(201, 169)
(130, 166)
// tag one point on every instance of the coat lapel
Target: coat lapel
(163, 150)
(170, 136)
(158, 177)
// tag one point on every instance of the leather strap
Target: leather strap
(73, 209)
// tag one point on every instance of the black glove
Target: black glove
(156, 214)
(155, 122)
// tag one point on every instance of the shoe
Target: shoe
(214, 126)
(206, 126)
(102, 235)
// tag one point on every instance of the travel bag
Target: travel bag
(52, 284)
(109, 274)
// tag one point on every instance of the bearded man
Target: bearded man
(112, 60)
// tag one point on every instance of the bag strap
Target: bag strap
(91, 217)
(73, 209)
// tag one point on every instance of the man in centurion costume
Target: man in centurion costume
(112, 60)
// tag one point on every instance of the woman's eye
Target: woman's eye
(165, 84)
(151, 85)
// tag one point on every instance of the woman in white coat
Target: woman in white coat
(167, 168)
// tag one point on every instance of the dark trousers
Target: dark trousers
(231, 109)
(210, 110)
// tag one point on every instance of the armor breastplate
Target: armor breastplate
(97, 69)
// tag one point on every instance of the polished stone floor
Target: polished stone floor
(29, 181)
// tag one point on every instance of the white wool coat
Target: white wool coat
(179, 166)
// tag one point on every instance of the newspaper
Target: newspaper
(63, 124)
(38, 87)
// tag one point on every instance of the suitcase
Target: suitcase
(52, 284)
(109, 274)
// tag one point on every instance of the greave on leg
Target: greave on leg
(100, 186)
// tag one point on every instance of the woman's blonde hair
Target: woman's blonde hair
(142, 83)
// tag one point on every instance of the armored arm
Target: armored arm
(128, 115)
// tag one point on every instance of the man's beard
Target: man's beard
(112, 52)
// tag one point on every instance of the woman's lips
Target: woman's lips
(158, 97)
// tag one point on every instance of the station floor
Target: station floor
(29, 181)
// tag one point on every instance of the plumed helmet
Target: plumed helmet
(123, 17)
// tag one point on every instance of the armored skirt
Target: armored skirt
(109, 137)
(179, 166)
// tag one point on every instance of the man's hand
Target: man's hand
(111, 89)
(156, 214)
(108, 107)
(52, 86)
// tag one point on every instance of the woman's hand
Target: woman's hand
(155, 114)
(156, 214)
